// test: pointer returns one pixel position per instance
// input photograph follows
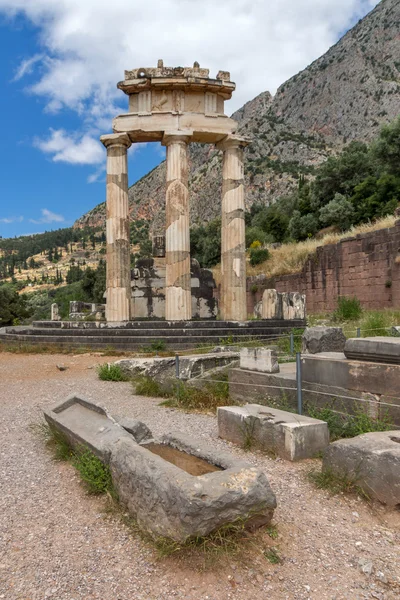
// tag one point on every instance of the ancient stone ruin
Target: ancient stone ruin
(176, 106)
(175, 486)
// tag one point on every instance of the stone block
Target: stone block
(333, 369)
(271, 305)
(375, 349)
(159, 481)
(293, 305)
(285, 434)
(323, 339)
(372, 461)
(259, 359)
(163, 369)
(54, 312)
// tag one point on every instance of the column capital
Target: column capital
(115, 139)
(180, 135)
(232, 141)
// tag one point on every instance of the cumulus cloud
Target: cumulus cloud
(8, 220)
(48, 217)
(88, 44)
(72, 148)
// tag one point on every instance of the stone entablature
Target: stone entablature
(176, 98)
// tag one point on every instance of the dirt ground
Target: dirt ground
(56, 542)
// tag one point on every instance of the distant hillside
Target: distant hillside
(345, 95)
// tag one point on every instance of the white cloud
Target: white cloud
(8, 220)
(48, 217)
(88, 44)
(72, 148)
(26, 67)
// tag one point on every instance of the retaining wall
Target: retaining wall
(366, 266)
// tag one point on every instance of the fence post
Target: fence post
(298, 384)
(291, 343)
(358, 332)
(177, 366)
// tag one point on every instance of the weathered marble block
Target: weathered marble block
(285, 434)
(323, 339)
(372, 461)
(259, 359)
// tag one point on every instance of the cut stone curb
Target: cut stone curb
(372, 461)
(165, 499)
(288, 435)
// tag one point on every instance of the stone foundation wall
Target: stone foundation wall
(366, 266)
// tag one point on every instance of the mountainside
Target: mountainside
(345, 95)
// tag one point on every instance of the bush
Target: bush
(110, 372)
(347, 426)
(146, 386)
(348, 309)
(258, 256)
(96, 476)
(375, 323)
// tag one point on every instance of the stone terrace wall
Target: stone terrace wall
(366, 266)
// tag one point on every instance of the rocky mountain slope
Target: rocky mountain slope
(345, 95)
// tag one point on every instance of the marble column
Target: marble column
(233, 305)
(118, 280)
(178, 298)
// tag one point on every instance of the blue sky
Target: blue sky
(61, 61)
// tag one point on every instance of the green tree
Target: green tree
(12, 305)
(386, 149)
(339, 212)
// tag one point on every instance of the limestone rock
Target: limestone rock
(167, 501)
(372, 461)
(323, 339)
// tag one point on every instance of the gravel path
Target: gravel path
(55, 542)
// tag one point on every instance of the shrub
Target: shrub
(158, 345)
(348, 309)
(146, 386)
(110, 372)
(96, 476)
(375, 323)
(347, 426)
(258, 256)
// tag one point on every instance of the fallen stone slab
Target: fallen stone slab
(375, 349)
(323, 339)
(163, 369)
(285, 434)
(264, 360)
(372, 461)
(175, 486)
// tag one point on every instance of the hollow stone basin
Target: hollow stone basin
(165, 498)
(189, 463)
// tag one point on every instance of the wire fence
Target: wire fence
(300, 394)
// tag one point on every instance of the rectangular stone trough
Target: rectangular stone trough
(175, 486)
(285, 434)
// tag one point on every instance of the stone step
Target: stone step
(171, 325)
(152, 333)
(134, 342)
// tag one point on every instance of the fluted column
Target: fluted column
(178, 299)
(118, 280)
(233, 305)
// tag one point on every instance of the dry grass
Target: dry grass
(291, 258)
